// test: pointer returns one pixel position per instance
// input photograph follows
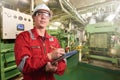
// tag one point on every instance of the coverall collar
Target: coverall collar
(34, 31)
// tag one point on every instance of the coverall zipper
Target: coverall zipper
(44, 46)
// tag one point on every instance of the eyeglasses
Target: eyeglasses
(46, 14)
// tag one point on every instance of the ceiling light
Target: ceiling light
(24, 1)
(45, 0)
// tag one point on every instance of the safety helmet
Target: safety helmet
(42, 7)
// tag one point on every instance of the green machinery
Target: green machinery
(8, 67)
(67, 38)
(103, 44)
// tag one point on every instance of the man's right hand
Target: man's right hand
(51, 68)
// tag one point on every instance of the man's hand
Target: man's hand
(56, 53)
(51, 68)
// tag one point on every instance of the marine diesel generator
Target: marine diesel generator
(103, 44)
(102, 31)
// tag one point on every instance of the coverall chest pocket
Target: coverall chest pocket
(36, 50)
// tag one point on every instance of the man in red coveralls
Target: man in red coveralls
(36, 49)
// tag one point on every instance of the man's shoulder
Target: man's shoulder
(53, 39)
(24, 34)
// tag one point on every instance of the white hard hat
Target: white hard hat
(42, 7)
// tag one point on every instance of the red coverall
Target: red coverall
(37, 51)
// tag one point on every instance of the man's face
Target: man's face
(41, 19)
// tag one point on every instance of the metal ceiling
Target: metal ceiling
(62, 9)
(21, 5)
(25, 5)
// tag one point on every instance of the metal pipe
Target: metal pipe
(74, 11)
(32, 6)
(60, 1)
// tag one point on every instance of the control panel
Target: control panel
(14, 22)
